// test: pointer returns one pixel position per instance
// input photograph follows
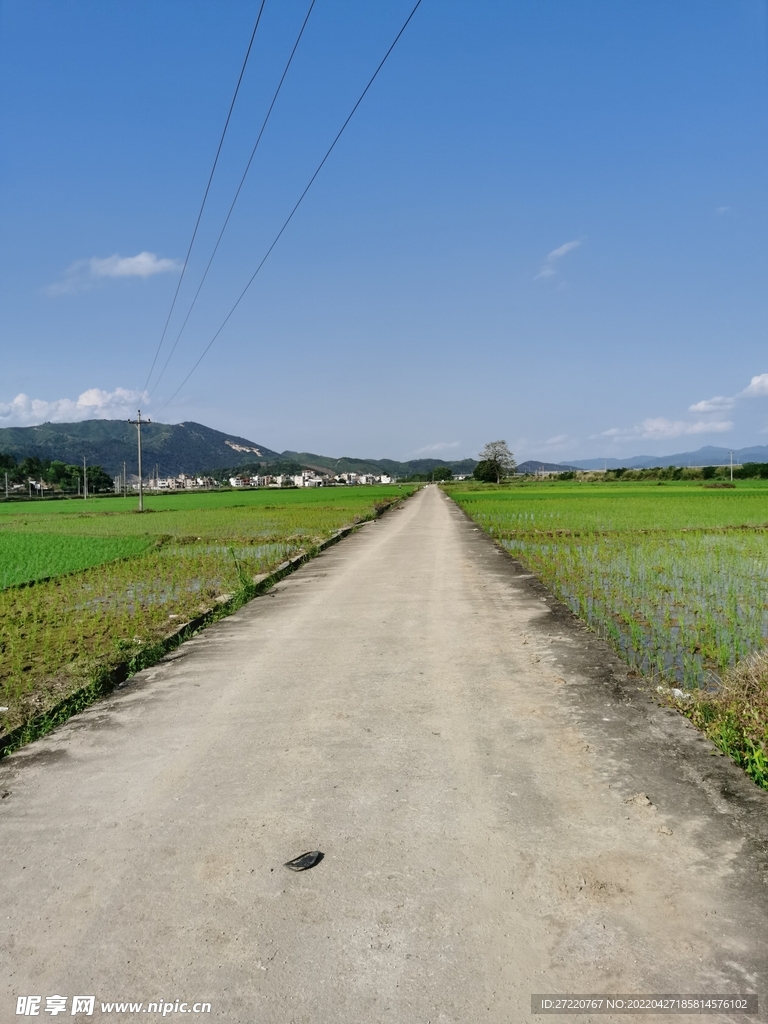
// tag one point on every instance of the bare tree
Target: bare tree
(499, 459)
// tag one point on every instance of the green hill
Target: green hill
(174, 448)
(346, 464)
(183, 448)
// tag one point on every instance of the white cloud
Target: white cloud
(660, 428)
(716, 404)
(757, 388)
(84, 274)
(563, 249)
(439, 446)
(720, 210)
(143, 265)
(548, 268)
(92, 404)
(558, 441)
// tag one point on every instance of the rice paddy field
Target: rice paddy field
(87, 585)
(675, 576)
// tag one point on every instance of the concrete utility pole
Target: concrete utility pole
(731, 467)
(125, 483)
(137, 423)
(6, 485)
(85, 481)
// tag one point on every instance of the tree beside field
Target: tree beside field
(496, 462)
(54, 473)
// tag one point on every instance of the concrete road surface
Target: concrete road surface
(501, 811)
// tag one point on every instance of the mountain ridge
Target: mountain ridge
(175, 448)
(537, 466)
(187, 447)
(709, 455)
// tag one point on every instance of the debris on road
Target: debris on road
(305, 861)
(640, 799)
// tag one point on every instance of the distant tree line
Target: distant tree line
(501, 465)
(751, 471)
(53, 473)
(437, 475)
(748, 471)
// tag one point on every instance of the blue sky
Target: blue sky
(547, 222)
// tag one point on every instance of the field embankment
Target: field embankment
(676, 578)
(88, 586)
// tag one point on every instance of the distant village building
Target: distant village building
(307, 478)
(182, 482)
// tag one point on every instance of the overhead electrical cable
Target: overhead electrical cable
(205, 194)
(299, 201)
(237, 194)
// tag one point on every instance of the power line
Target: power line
(237, 194)
(205, 194)
(289, 218)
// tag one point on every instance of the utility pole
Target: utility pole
(6, 485)
(125, 483)
(85, 481)
(731, 467)
(137, 423)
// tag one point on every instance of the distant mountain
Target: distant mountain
(707, 456)
(183, 448)
(174, 448)
(534, 466)
(324, 463)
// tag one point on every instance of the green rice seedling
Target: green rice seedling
(26, 557)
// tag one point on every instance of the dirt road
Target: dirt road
(501, 812)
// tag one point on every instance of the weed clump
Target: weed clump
(735, 717)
